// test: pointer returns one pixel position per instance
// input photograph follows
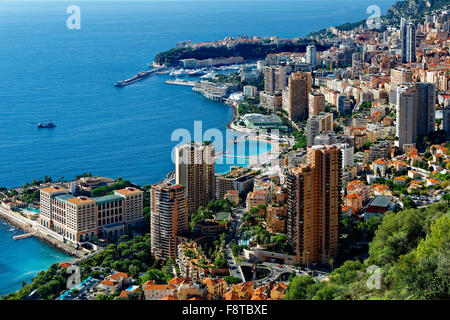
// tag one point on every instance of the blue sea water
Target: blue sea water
(22, 259)
(48, 72)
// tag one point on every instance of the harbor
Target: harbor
(140, 76)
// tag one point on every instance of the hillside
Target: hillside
(409, 258)
(172, 57)
(414, 9)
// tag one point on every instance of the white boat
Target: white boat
(209, 75)
(178, 73)
(195, 72)
(234, 67)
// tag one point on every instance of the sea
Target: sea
(49, 71)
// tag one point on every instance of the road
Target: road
(234, 234)
(276, 269)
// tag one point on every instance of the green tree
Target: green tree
(330, 292)
(297, 289)
(156, 275)
(232, 280)
(424, 272)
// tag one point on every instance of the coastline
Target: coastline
(260, 158)
(27, 228)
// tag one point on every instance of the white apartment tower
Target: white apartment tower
(311, 55)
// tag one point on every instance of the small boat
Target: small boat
(49, 125)
(195, 72)
(209, 75)
(178, 73)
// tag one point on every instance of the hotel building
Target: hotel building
(80, 219)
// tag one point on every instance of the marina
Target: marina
(181, 82)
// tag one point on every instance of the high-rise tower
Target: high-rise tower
(168, 218)
(296, 96)
(194, 170)
(314, 206)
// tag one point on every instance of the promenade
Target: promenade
(32, 227)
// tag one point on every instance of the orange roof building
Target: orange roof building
(241, 291)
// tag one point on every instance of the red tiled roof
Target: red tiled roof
(109, 282)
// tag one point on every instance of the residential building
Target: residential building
(416, 108)
(194, 170)
(379, 167)
(168, 215)
(115, 282)
(355, 201)
(344, 104)
(191, 262)
(316, 104)
(311, 55)
(446, 120)
(109, 286)
(215, 287)
(426, 107)
(320, 123)
(275, 79)
(296, 96)
(408, 41)
(238, 178)
(276, 218)
(314, 205)
(381, 150)
(347, 153)
(278, 291)
(154, 291)
(406, 124)
(232, 196)
(256, 198)
(271, 101)
(241, 291)
(399, 76)
(250, 92)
